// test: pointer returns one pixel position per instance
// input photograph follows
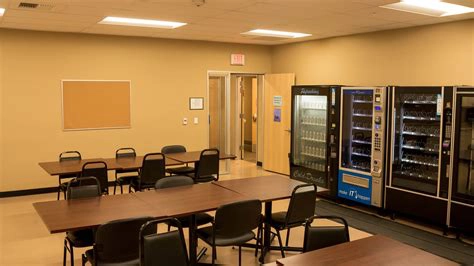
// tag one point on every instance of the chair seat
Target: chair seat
(183, 170)
(81, 238)
(206, 235)
(202, 179)
(201, 219)
(124, 180)
(63, 186)
(134, 183)
(90, 257)
(278, 221)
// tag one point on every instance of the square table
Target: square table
(373, 250)
(266, 189)
(68, 215)
(189, 200)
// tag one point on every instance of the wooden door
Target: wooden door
(277, 125)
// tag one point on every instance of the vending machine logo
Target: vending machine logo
(353, 192)
(309, 91)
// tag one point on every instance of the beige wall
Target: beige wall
(440, 54)
(164, 73)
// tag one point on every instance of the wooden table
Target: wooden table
(374, 250)
(193, 156)
(266, 189)
(75, 166)
(68, 215)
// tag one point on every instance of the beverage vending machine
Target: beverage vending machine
(314, 134)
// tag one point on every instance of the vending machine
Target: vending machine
(421, 129)
(314, 134)
(461, 196)
(362, 144)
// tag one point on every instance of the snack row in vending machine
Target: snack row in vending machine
(389, 147)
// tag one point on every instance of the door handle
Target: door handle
(288, 130)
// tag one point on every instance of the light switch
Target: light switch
(185, 121)
(196, 120)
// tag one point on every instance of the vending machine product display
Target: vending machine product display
(421, 128)
(461, 200)
(315, 120)
(362, 144)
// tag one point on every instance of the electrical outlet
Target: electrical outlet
(185, 121)
(196, 120)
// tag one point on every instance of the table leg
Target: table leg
(266, 230)
(192, 240)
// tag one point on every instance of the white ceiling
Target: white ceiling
(217, 20)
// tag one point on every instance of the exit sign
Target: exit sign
(237, 59)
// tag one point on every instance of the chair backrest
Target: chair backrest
(69, 156)
(97, 169)
(125, 152)
(316, 237)
(302, 204)
(83, 187)
(174, 181)
(153, 168)
(237, 218)
(208, 164)
(117, 241)
(168, 248)
(173, 149)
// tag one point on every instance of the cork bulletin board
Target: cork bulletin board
(95, 104)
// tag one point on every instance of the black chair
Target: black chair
(177, 181)
(164, 249)
(233, 225)
(316, 237)
(152, 170)
(180, 170)
(82, 187)
(123, 177)
(301, 207)
(207, 169)
(97, 169)
(117, 242)
(63, 157)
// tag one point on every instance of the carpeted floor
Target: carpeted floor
(446, 247)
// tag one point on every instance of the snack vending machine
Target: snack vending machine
(362, 144)
(421, 127)
(314, 133)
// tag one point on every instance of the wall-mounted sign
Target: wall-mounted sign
(237, 59)
(276, 115)
(277, 101)
(196, 103)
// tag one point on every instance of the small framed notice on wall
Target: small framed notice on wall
(196, 103)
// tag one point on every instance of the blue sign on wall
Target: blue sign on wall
(353, 192)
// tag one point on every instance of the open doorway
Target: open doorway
(246, 127)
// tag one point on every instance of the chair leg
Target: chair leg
(287, 237)
(84, 260)
(259, 239)
(115, 186)
(64, 252)
(121, 189)
(240, 255)
(72, 254)
(213, 254)
(169, 227)
(281, 244)
(59, 192)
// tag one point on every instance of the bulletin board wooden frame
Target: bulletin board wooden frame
(95, 104)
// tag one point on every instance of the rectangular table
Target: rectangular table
(68, 215)
(374, 250)
(266, 189)
(132, 163)
(193, 156)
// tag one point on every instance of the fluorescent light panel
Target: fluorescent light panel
(275, 33)
(2, 10)
(435, 8)
(141, 22)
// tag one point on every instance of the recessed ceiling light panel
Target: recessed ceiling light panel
(275, 33)
(2, 10)
(141, 22)
(435, 8)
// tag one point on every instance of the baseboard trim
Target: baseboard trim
(33, 191)
(27, 192)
